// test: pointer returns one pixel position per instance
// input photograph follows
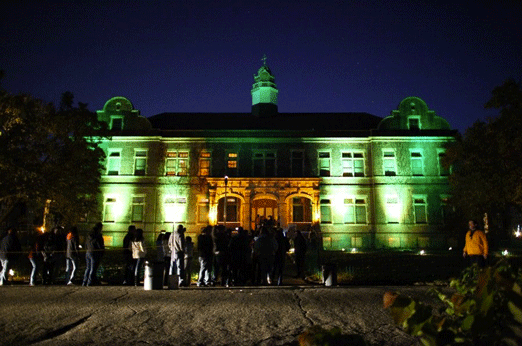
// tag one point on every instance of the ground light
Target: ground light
(422, 252)
(354, 250)
(505, 253)
(11, 272)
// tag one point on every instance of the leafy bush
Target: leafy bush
(486, 309)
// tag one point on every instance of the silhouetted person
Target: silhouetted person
(283, 245)
(94, 247)
(205, 256)
(300, 253)
(9, 251)
(265, 249)
(239, 248)
(128, 274)
(189, 253)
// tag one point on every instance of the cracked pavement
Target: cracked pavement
(115, 315)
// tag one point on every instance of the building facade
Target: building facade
(364, 181)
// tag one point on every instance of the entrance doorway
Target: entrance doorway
(263, 209)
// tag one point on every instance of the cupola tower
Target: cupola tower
(264, 92)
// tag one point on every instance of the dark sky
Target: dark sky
(327, 56)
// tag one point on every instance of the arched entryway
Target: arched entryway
(262, 209)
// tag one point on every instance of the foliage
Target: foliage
(486, 309)
(49, 154)
(487, 161)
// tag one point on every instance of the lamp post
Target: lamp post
(225, 204)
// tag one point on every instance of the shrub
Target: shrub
(486, 309)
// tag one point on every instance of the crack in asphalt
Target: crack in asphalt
(299, 301)
(60, 331)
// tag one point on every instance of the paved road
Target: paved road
(115, 315)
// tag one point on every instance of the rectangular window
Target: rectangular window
(232, 164)
(113, 163)
(323, 158)
(109, 209)
(204, 163)
(443, 171)
(140, 162)
(414, 123)
(392, 209)
(264, 163)
(353, 164)
(176, 163)
(389, 163)
(203, 211)
(116, 123)
(326, 211)
(420, 209)
(355, 211)
(301, 210)
(446, 210)
(417, 168)
(138, 208)
(297, 164)
(174, 209)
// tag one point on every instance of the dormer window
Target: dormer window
(413, 123)
(116, 123)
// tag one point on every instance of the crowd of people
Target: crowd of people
(226, 257)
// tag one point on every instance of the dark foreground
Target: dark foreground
(117, 315)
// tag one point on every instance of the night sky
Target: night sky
(327, 56)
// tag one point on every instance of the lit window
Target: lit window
(175, 209)
(392, 209)
(355, 211)
(389, 163)
(416, 163)
(353, 164)
(324, 163)
(138, 208)
(264, 162)
(204, 163)
(232, 164)
(176, 163)
(420, 209)
(326, 211)
(113, 163)
(140, 162)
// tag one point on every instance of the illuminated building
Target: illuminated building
(365, 181)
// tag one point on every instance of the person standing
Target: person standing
(138, 254)
(94, 252)
(128, 274)
(265, 249)
(177, 248)
(9, 251)
(71, 255)
(205, 255)
(189, 253)
(300, 253)
(476, 246)
(283, 245)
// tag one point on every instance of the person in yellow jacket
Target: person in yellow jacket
(476, 247)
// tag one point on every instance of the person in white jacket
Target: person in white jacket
(138, 254)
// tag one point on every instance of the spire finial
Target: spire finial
(264, 59)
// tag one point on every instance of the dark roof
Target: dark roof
(303, 122)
